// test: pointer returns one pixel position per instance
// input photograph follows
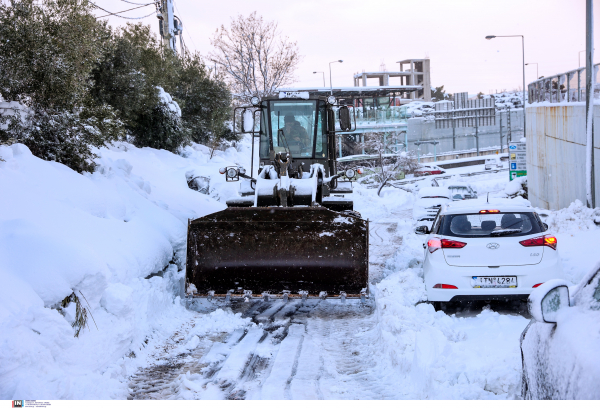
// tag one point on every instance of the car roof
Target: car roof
(458, 184)
(478, 204)
(434, 191)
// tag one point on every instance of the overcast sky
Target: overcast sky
(366, 34)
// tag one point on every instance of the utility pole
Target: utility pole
(166, 21)
(589, 103)
(501, 136)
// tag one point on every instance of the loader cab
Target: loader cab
(295, 126)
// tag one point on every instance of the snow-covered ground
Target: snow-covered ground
(117, 239)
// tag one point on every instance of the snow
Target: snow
(117, 237)
(101, 236)
(166, 98)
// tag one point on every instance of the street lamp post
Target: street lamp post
(330, 84)
(579, 55)
(321, 72)
(489, 37)
(537, 74)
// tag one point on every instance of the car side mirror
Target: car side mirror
(247, 121)
(548, 299)
(554, 300)
(545, 226)
(422, 230)
(345, 121)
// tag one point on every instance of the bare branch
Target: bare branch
(256, 58)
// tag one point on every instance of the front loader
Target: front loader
(293, 231)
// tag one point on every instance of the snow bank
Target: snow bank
(577, 229)
(576, 217)
(115, 238)
(436, 356)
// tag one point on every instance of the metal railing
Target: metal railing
(566, 87)
(380, 116)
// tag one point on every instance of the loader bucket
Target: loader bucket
(276, 249)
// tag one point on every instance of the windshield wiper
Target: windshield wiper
(504, 232)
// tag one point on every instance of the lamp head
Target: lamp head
(340, 61)
(489, 37)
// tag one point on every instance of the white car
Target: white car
(479, 250)
(493, 163)
(461, 191)
(429, 202)
(560, 348)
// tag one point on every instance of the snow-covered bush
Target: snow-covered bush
(63, 136)
(84, 84)
(516, 188)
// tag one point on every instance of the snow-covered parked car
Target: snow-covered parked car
(560, 347)
(428, 170)
(429, 201)
(461, 191)
(493, 163)
(479, 250)
(417, 109)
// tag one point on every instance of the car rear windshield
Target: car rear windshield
(489, 225)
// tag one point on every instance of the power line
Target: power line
(116, 14)
(131, 2)
(128, 18)
(188, 34)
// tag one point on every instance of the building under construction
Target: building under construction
(413, 72)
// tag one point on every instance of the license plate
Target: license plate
(494, 282)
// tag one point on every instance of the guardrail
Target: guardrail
(566, 87)
(434, 179)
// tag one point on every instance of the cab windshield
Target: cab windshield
(294, 126)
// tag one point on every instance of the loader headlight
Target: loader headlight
(232, 173)
(350, 173)
(331, 100)
(255, 100)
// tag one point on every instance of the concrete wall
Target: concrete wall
(489, 136)
(556, 142)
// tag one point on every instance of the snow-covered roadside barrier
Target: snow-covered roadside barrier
(115, 238)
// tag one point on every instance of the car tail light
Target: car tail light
(444, 286)
(448, 243)
(433, 245)
(538, 284)
(545, 240)
(489, 211)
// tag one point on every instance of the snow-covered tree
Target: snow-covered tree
(47, 51)
(388, 163)
(256, 58)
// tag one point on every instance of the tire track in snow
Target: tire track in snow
(299, 349)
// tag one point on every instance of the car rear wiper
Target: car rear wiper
(504, 232)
